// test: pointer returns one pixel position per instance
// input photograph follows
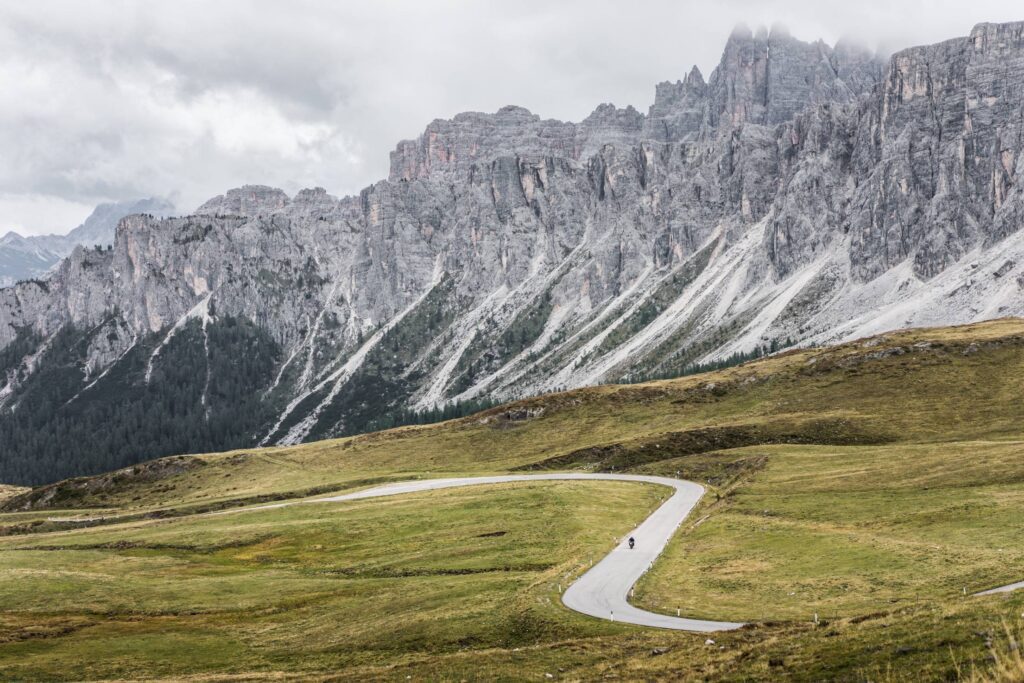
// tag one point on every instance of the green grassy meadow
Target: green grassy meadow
(324, 587)
(869, 484)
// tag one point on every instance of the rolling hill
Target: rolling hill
(858, 495)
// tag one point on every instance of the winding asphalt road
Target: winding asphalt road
(603, 590)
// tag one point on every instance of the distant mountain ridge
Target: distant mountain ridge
(24, 258)
(801, 193)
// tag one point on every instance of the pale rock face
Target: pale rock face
(803, 192)
(24, 258)
(766, 78)
(250, 200)
(938, 154)
(678, 110)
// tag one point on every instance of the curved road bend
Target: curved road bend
(602, 591)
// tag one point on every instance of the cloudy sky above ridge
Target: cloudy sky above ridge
(107, 100)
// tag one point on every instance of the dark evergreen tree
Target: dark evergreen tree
(60, 423)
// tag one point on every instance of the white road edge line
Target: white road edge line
(603, 590)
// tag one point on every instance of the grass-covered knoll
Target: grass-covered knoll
(449, 585)
(869, 483)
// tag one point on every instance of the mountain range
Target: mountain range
(25, 258)
(801, 194)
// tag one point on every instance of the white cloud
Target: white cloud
(118, 99)
(30, 214)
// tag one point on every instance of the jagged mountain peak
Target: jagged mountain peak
(768, 77)
(513, 110)
(612, 121)
(741, 31)
(248, 200)
(802, 194)
(694, 79)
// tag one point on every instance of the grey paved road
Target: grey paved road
(603, 590)
(1008, 588)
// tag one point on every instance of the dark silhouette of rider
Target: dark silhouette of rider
(632, 542)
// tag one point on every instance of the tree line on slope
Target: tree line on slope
(459, 409)
(200, 402)
(732, 360)
(53, 428)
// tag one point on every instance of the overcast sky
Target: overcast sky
(106, 100)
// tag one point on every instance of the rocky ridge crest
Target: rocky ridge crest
(803, 192)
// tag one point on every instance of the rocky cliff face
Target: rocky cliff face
(804, 193)
(24, 258)
(939, 154)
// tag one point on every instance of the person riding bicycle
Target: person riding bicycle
(632, 542)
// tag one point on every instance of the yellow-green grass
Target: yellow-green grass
(868, 483)
(309, 587)
(906, 646)
(424, 585)
(7, 491)
(851, 530)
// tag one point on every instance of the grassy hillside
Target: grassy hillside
(869, 483)
(852, 530)
(11, 491)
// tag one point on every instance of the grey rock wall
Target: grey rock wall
(803, 192)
